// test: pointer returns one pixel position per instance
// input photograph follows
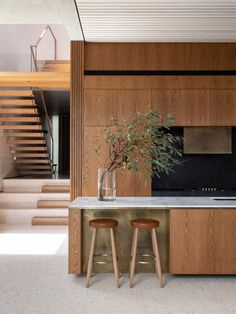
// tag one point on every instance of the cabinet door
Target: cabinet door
(167, 102)
(192, 241)
(195, 107)
(99, 107)
(225, 241)
(223, 107)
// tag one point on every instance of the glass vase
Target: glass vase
(106, 185)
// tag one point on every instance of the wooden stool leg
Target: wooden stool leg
(90, 261)
(114, 257)
(133, 257)
(157, 257)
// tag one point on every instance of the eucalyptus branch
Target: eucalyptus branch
(142, 143)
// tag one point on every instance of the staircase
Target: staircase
(35, 201)
(62, 66)
(21, 127)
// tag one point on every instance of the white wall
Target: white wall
(15, 41)
(7, 165)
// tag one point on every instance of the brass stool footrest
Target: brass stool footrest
(103, 255)
(146, 255)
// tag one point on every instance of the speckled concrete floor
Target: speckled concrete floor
(39, 283)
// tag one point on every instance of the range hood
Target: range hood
(207, 140)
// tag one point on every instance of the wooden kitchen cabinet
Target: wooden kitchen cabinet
(167, 102)
(225, 241)
(223, 107)
(191, 241)
(203, 241)
(195, 107)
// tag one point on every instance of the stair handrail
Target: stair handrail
(34, 48)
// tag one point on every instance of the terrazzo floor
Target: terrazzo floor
(34, 279)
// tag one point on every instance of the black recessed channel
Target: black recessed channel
(199, 174)
(159, 72)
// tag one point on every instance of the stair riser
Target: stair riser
(52, 204)
(49, 221)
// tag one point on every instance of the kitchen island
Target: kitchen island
(197, 235)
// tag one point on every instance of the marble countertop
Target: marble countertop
(154, 203)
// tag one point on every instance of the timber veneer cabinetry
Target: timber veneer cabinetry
(203, 241)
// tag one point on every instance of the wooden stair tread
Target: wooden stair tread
(17, 102)
(56, 188)
(23, 142)
(30, 111)
(33, 167)
(53, 203)
(16, 93)
(40, 79)
(22, 134)
(54, 61)
(49, 220)
(33, 172)
(28, 148)
(20, 123)
(21, 127)
(32, 161)
(20, 119)
(31, 154)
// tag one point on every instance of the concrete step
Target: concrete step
(24, 216)
(30, 200)
(49, 221)
(30, 185)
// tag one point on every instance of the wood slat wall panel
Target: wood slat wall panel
(76, 135)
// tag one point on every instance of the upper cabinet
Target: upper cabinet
(195, 107)
(167, 102)
(223, 107)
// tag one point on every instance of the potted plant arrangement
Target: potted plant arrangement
(141, 144)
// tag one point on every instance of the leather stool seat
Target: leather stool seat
(103, 223)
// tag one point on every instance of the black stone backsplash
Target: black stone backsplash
(200, 174)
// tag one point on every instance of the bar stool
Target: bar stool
(98, 224)
(148, 224)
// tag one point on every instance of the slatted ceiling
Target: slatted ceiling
(158, 21)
